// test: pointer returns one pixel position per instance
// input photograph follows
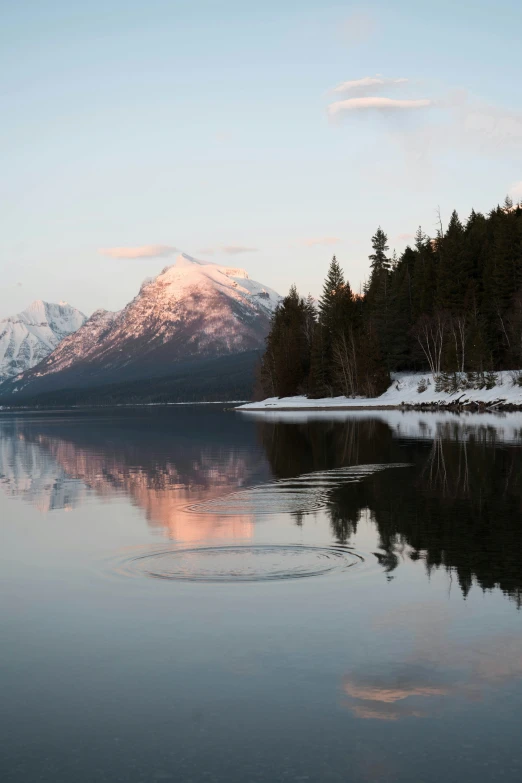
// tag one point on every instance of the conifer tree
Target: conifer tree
(379, 260)
(452, 278)
(286, 363)
(452, 304)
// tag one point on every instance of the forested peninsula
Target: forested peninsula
(450, 305)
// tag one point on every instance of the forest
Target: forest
(450, 305)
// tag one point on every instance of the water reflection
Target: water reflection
(458, 507)
(455, 504)
(437, 669)
(377, 602)
(58, 463)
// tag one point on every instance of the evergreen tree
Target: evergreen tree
(452, 275)
(452, 304)
(379, 260)
(286, 363)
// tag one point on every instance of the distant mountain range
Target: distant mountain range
(30, 336)
(188, 325)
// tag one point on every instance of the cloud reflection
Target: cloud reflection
(435, 672)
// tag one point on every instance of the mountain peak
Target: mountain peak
(188, 266)
(31, 335)
(192, 310)
(185, 260)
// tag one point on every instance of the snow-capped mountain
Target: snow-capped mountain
(193, 309)
(30, 336)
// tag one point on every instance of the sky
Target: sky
(267, 136)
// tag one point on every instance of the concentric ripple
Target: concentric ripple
(258, 563)
(302, 494)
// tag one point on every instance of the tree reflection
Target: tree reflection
(459, 505)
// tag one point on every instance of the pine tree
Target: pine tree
(333, 287)
(286, 363)
(452, 275)
(378, 290)
(379, 260)
(453, 303)
(424, 276)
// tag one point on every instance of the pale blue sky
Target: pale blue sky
(205, 125)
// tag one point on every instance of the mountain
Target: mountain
(30, 336)
(192, 312)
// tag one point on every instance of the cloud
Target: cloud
(321, 241)
(491, 125)
(404, 237)
(144, 251)
(515, 191)
(234, 250)
(229, 250)
(377, 103)
(459, 122)
(368, 82)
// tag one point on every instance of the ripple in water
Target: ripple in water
(258, 563)
(302, 494)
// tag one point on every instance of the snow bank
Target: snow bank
(404, 390)
(495, 426)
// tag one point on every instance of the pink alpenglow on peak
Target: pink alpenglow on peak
(192, 310)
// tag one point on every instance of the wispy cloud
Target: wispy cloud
(229, 250)
(377, 103)
(143, 251)
(313, 241)
(368, 82)
(235, 250)
(404, 237)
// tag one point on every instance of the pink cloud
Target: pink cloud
(376, 103)
(234, 250)
(229, 250)
(368, 82)
(143, 251)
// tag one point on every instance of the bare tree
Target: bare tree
(459, 330)
(431, 332)
(345, 362)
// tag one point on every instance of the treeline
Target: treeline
(450, 305)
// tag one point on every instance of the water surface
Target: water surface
(193, 594)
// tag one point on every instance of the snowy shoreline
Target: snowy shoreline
(404, 393)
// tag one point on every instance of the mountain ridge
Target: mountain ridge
(193, 310)
(32, 334)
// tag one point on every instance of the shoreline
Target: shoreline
(415, 392)
(472, 407)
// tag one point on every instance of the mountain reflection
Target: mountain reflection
(458, 506)
(56, 463)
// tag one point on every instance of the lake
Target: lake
(195, 594)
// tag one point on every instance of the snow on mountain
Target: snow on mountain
(30, 336)
(192, 309)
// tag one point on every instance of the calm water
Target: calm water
(192, 594)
